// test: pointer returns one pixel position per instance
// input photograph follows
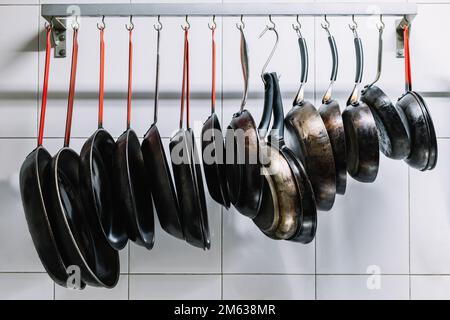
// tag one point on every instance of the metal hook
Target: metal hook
(271, 21)
(327, 23)
(213, 26)
(75, 24)
(101, 26)
(130, 27)
(354, 25)
(297, 26)
(187, 26)
(158, 26)
(380, 23)
(241, 24)
(271, 28)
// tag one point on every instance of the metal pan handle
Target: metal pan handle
(359, 60)
(268, 103)
(304, 71)
(245, 66)
(334, 56)
(278, 114)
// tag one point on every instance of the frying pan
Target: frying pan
(133, 191)
(242, 163)
(77, 231)
(97, 169)
(307, 136)
(331, 116)
(282, 213)
(424, 151)
(213, 149)
(163, 190)
(187, 170)
(33, 178)
(361, 134)
(392, 125)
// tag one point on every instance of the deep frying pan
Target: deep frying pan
(330, 112)
(392, 125)
(242, 163)
(282, 212)
(77, 231)
(213, 149)
(163, 189)
(97, 171)
(361, 134)
(307, 136)
(133, 191)
(33, 178)
(424, 151)
(187, 170)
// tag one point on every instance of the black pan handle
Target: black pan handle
(278, 113)
(304, 59)
(334, 56)
(359, 59)
(268, 103)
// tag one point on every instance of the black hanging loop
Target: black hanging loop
(241, 25)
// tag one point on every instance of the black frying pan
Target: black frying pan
(392, 125)
(282, 212)
(163, 190)
(424, 153)
(361, 135)
(187, 170)
(33, 177)
(213, 149)
(133, 191)
(330, 112)
(97, 171)
(242, 163)
(77, 231)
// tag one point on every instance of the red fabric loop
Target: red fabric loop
(48, 49)
(101, 90)
(73, 76)
(408, 78)
(130, 78)
(213, 86)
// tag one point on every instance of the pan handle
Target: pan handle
(304, 72)
(380, 56)
(408, 80)
(48, 49)
(268, 103)
(354, 97)
(277, 131)
(334, 69)
(73, 76)
(244, 64)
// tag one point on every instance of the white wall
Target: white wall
(401, 223)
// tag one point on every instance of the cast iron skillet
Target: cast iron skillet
(33, 178)
(282, 213)
(242, 144)
(331, 116)
(187, 170)
(213, 149)
(133, 191)
(392, 125)
(97, 169)
(77, 231)
(424, 151)
(307, 136)
(361, 134)
(163, 190)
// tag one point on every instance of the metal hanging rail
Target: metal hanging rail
(59, 12)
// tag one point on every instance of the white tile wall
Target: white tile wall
(399, 225)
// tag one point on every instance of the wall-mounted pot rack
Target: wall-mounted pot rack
(58, 13)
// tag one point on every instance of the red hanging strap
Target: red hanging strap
(73, 76)
(185, 82)
(130, 77)
(408, 79)
(101, 90)
(48, 49)
(213, 81)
